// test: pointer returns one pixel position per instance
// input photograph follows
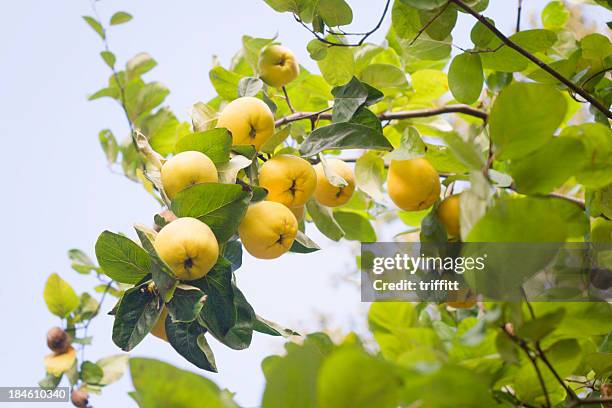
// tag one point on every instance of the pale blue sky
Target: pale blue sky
(58, 192)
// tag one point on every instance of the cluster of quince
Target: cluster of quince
(269, 227)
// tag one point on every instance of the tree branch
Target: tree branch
(429, 23)
(420, 113)
(340, 44)
(567, 82)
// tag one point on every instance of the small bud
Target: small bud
(58, 340)
(168, 216)
(79, 398)
(509, 328)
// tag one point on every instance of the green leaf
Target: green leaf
(555, 15)
(343, 136)
(338, 66)
(225, 82)
(347, 99)
(95, 25)
(233, 253)
(303, 245)
(220, 206)
(465, 77)
(369, 175)
(218, 310)
(524, 118)
(262, 325)
(538, 328)
(480, 35)
(81, 262)
(203, 117)
(383, 76)
(189, 341)
(214, 143)
(109, 58)
(335, 12)
(186, 304)
(595, 46)
(249, 86)
(59, 296)
(109, 145)
(295, 374)
(140, 64)
(410, 147)
(317, 49)
(356, 227)
(351, 378)
(529, 219)
(432, 229)
(121, 258)
(279, 137)
(160, 384)
(113, 368)
(240, 335)
(136, 315)
(597, 141)
(324, 220)
(424, 4)
(162, 275)
(390, 317)
(442, 21)
(50, 382)
(91, 373)
(507, 60)
(120, 17)
(549, 166)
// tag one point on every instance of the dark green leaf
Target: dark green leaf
(303, 244)
(136, 315)
(342, 136)
(347, 99)
(162, 275)
(220, 206)
(186, 304)
(264, 326)
(218, 310)
(189, 341)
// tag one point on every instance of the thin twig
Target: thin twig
(366, 35)
(518, 15)
(86, 326)
(115, 74)
(567, 82)
(419, 113)
(288, 100)
(429, 23)
(525, 347)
